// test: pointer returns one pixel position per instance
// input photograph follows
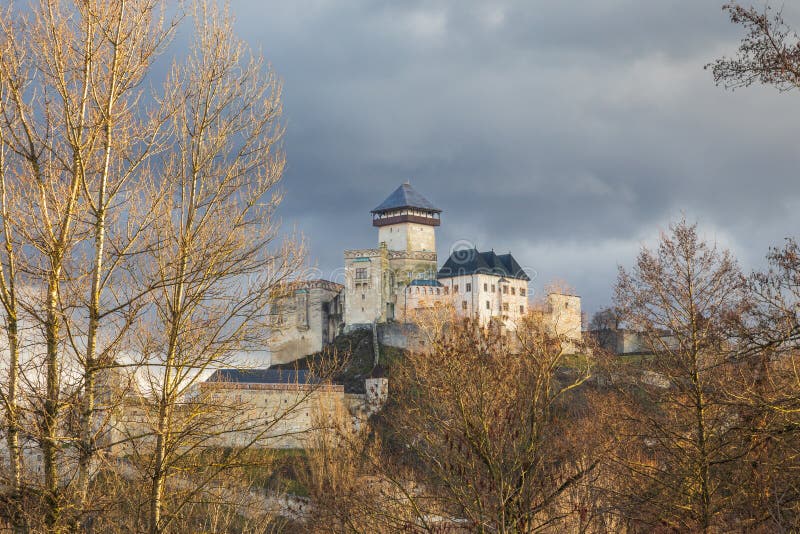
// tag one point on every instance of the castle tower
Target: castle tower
(406, 221)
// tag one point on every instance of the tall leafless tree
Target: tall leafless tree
(73, 75)
(476, 413)
(139, 235)
(680, 296)
(219, 259)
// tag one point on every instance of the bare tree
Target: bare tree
(11, 313)
(219, 259)
(768, 386)
(475, 414)
(50, 186)
(605, 319)
(767, 390)
(605, 326)
(768, 54)
(680, 413)
(352, 483)
(72, 74)
(140, 244)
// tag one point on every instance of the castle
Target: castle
(387, 284)
(383, 288)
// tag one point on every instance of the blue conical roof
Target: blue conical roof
(405, 196)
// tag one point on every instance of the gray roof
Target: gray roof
(263, 376)
(470, 261)
(406, 196)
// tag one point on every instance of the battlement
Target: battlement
(314, 284)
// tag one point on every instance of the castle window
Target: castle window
(505, 306)
(469, 288)
(455, 288)
(446, 290)
(492, 288)
(513, 291)
(438, 291)
(463, 304)
(361, 273)
(487, 304)
(505, 290)
(363, 296)
(522, 309)
(521, 292)
(486, 287)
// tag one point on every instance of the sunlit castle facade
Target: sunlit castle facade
(401, 276)
(393, 281)
(376, 277)
(485, 285)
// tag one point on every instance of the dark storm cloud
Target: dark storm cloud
(566, 132)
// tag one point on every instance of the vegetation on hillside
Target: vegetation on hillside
(354, 357)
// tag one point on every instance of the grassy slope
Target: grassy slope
(355, 353)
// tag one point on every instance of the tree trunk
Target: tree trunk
(51, 406)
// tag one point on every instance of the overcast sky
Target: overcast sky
(566, 132)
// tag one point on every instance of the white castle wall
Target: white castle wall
(407, 236)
